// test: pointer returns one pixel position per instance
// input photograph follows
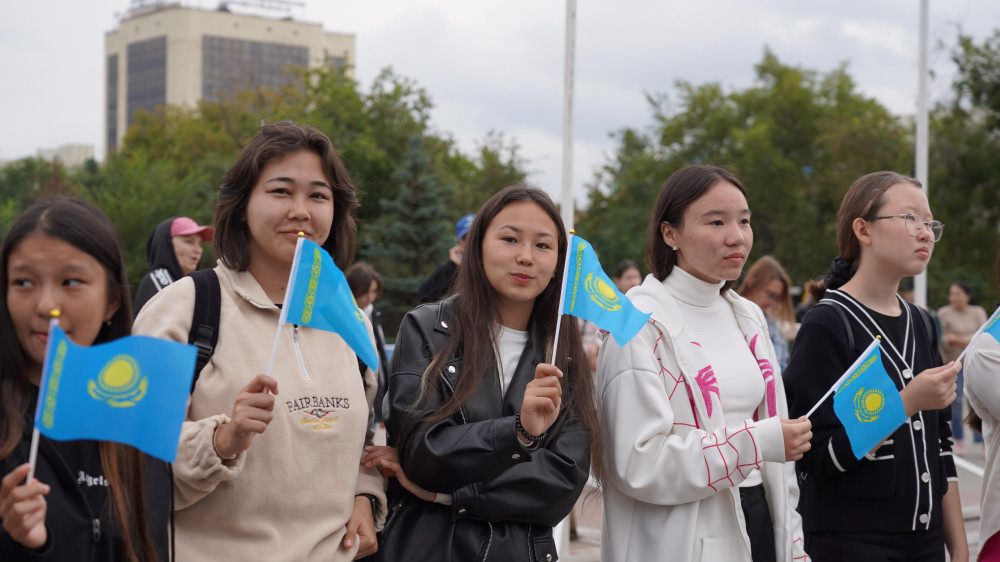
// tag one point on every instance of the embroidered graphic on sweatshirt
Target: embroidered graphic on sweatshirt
(317, 413)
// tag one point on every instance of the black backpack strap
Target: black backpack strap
(205, 321)
(847, 323)
(928, 324)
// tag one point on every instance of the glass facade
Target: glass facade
(147, 75)
(230, 65)
(111, 111)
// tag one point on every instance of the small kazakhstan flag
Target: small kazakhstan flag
(318, 296)
(132, 390)
(867, 403)
(588, 293)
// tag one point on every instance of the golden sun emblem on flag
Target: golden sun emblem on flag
(601, 293)
(868, 403)
(119, 383)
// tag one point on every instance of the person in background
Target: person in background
(767, 285)
(441, 281)
(90, 501)
(693, 413)
(959, 321)
(173, 250)
(900, 501)
(982, 369)
(366, 285)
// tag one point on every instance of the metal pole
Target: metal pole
(920, 281)
(567, 175)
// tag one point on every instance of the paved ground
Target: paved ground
(587, 547)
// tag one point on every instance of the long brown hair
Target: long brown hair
(475, 313)
(275, 140)
(864, 200)
(85, 227)
(682, 188)
(762, 272)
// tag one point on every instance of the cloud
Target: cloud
(890, 37)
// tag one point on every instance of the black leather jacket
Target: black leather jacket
(505, 497)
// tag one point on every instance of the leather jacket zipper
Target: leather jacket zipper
(298, 351)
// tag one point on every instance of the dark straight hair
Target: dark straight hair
(86, 228)
(682, 188)
(276, 140)
(475, 313)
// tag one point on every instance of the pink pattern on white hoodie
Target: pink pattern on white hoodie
(768, 371)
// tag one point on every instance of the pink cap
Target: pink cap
(183, 225)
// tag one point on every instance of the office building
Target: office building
(168, 54)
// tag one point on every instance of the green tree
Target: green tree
(796, 139)
(405, 238)
(965, 173)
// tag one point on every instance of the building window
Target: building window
(147, 75)
(338, 63)
(111, 111)
(230, 65)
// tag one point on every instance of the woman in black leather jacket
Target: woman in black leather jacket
(495, 443)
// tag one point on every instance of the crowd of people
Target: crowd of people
(696, 429)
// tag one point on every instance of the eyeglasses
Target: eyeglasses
(914, 225)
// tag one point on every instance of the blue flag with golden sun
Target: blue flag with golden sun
(132, 390)
(992, 326)
(318, 296)
(589, 294)
(867, 402)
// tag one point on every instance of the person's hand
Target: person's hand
(23, 508)
(932, 389)
(361, 528)
(542, 397)
(797, 434)
(252, 411)
(386, 459)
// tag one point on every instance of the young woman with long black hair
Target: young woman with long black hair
(90, 500)
(494, 438)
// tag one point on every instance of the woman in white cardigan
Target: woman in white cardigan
(693, 408)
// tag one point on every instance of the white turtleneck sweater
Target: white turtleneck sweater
(711, 324)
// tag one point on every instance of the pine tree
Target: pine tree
(411, 236)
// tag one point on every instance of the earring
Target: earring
(108, 323)
(674, 248)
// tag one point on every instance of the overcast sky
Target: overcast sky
(491, 65)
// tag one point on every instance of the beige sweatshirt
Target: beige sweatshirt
(289, 496)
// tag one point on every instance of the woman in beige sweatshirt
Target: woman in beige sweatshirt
(268, 466)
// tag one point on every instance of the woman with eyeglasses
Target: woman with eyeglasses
(766, 285)
(899, 501)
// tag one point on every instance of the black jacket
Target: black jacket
(69, 468)
(505, 498)
(164, 268)
(439, 283)
(899, 488)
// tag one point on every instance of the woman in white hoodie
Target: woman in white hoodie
(693, 409)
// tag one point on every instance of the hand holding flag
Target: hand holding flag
(866, 401)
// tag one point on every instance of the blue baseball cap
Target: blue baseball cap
(462, 226)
